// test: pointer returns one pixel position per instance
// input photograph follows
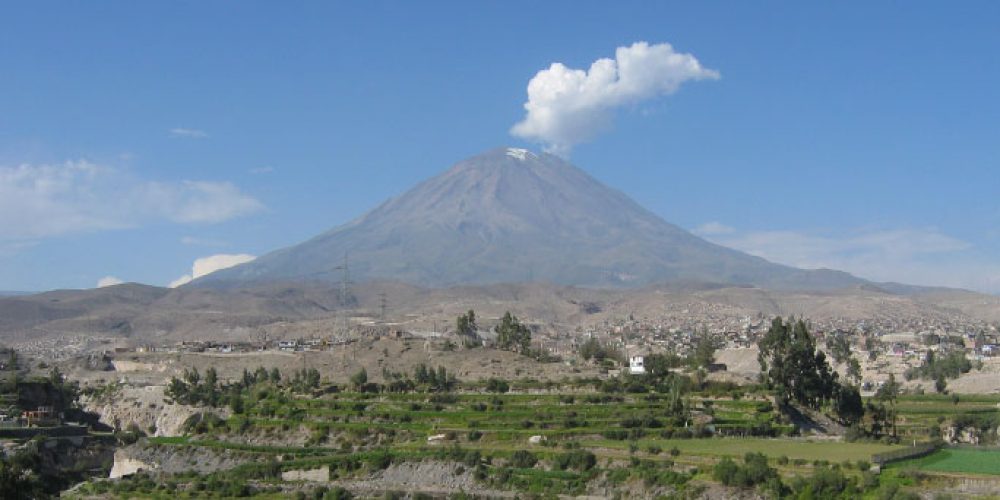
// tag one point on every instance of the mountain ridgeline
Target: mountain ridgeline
(510, 215)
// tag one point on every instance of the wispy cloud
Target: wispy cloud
(714, 228)
(919, 256)
(569, 106)
(210, 264)
(108, 281)
(188, 133)
(203, 242)
(262, 170)
(41, 201)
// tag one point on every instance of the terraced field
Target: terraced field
(572, 439)
(957, 460)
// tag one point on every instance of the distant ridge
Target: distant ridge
(512, 215)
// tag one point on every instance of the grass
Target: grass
(792, 448)
(956, 460)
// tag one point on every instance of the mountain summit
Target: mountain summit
(511, 215)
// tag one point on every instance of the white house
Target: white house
(636, 365)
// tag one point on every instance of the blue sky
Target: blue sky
(137, 137)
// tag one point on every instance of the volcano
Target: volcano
(512, 215)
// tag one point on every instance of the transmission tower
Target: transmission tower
(382, 305)
(346, 298)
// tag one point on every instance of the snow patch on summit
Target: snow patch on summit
(520, 154)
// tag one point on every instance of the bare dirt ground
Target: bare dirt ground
(337, 364)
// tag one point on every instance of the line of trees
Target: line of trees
(193, 389)
(424, 378)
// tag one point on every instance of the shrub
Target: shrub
(580, 460)
(523, 459)
(338, 493)
(754, 471)
(497, 385)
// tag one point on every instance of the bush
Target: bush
(497, 385)
(523, 459)
(725, 471)
(754, 471)
(580, 460)
(826, 483)
(338, 493)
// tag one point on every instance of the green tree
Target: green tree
(359, 379)
(854, 370)
(839, 347)
(848, 405)
(889, 393)
(512, 335)
(940, 385)
(704, 351)
(793, 367)
(466, 325)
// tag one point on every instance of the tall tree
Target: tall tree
(465, 325)
(704, 351)
(512, 335)
(793, 367)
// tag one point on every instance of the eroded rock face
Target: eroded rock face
(321, 475)
(144, 408)
(126, 466)
(174, 459)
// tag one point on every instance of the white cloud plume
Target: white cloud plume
(188, 133)
(569, 106)
(923, 256)
(40, 201)
(108, 281)
(210, 264)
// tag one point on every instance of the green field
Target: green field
(831, 451)
(956, 460)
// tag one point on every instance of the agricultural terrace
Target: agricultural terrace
(560, 441)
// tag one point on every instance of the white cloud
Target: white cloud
(921, 256)
(40, 201)
(183, 280)
(188, 133)
(108, 281)
(210, 264)
(262, 170)
(713, 228)
(569, 106)
(196, 201)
